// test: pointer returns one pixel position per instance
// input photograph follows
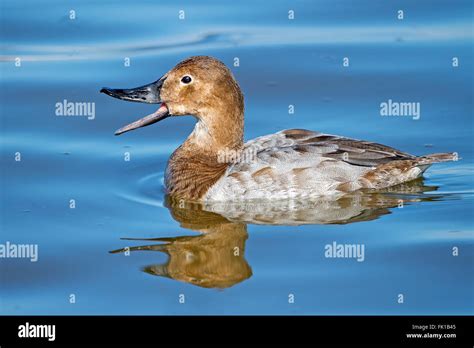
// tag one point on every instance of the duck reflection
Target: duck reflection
(213, 259)
(216, 257)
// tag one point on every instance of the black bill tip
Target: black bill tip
(116, 93)
(105, 90)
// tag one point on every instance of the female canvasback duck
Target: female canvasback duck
(214, 163)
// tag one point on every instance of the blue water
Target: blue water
(408, 251)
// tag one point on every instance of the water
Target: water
(408, 251)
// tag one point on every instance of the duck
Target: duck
(214, 164)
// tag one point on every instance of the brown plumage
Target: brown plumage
(190, 174)
(219, 107)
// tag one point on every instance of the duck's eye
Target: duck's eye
(186, 79)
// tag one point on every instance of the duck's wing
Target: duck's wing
(301, 163)
(302, 141)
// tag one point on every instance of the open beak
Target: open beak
(145, 94)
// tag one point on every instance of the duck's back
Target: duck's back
(298, 163)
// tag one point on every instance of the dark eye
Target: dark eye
(186, 79)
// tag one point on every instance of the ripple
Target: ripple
(38, 53)
(148, 190)
(238, 36)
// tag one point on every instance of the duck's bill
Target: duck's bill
(157, 116)
(144, 94)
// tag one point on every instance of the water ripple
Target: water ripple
(148, 190)
(238, 36)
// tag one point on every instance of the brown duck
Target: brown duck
(214, 163)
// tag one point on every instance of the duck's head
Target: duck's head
(200, 86)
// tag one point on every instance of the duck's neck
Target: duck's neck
(217, 129)
(201, 160)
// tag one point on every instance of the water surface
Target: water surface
(189, 250)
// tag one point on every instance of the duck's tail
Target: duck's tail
(400, 171)
(438, 157)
